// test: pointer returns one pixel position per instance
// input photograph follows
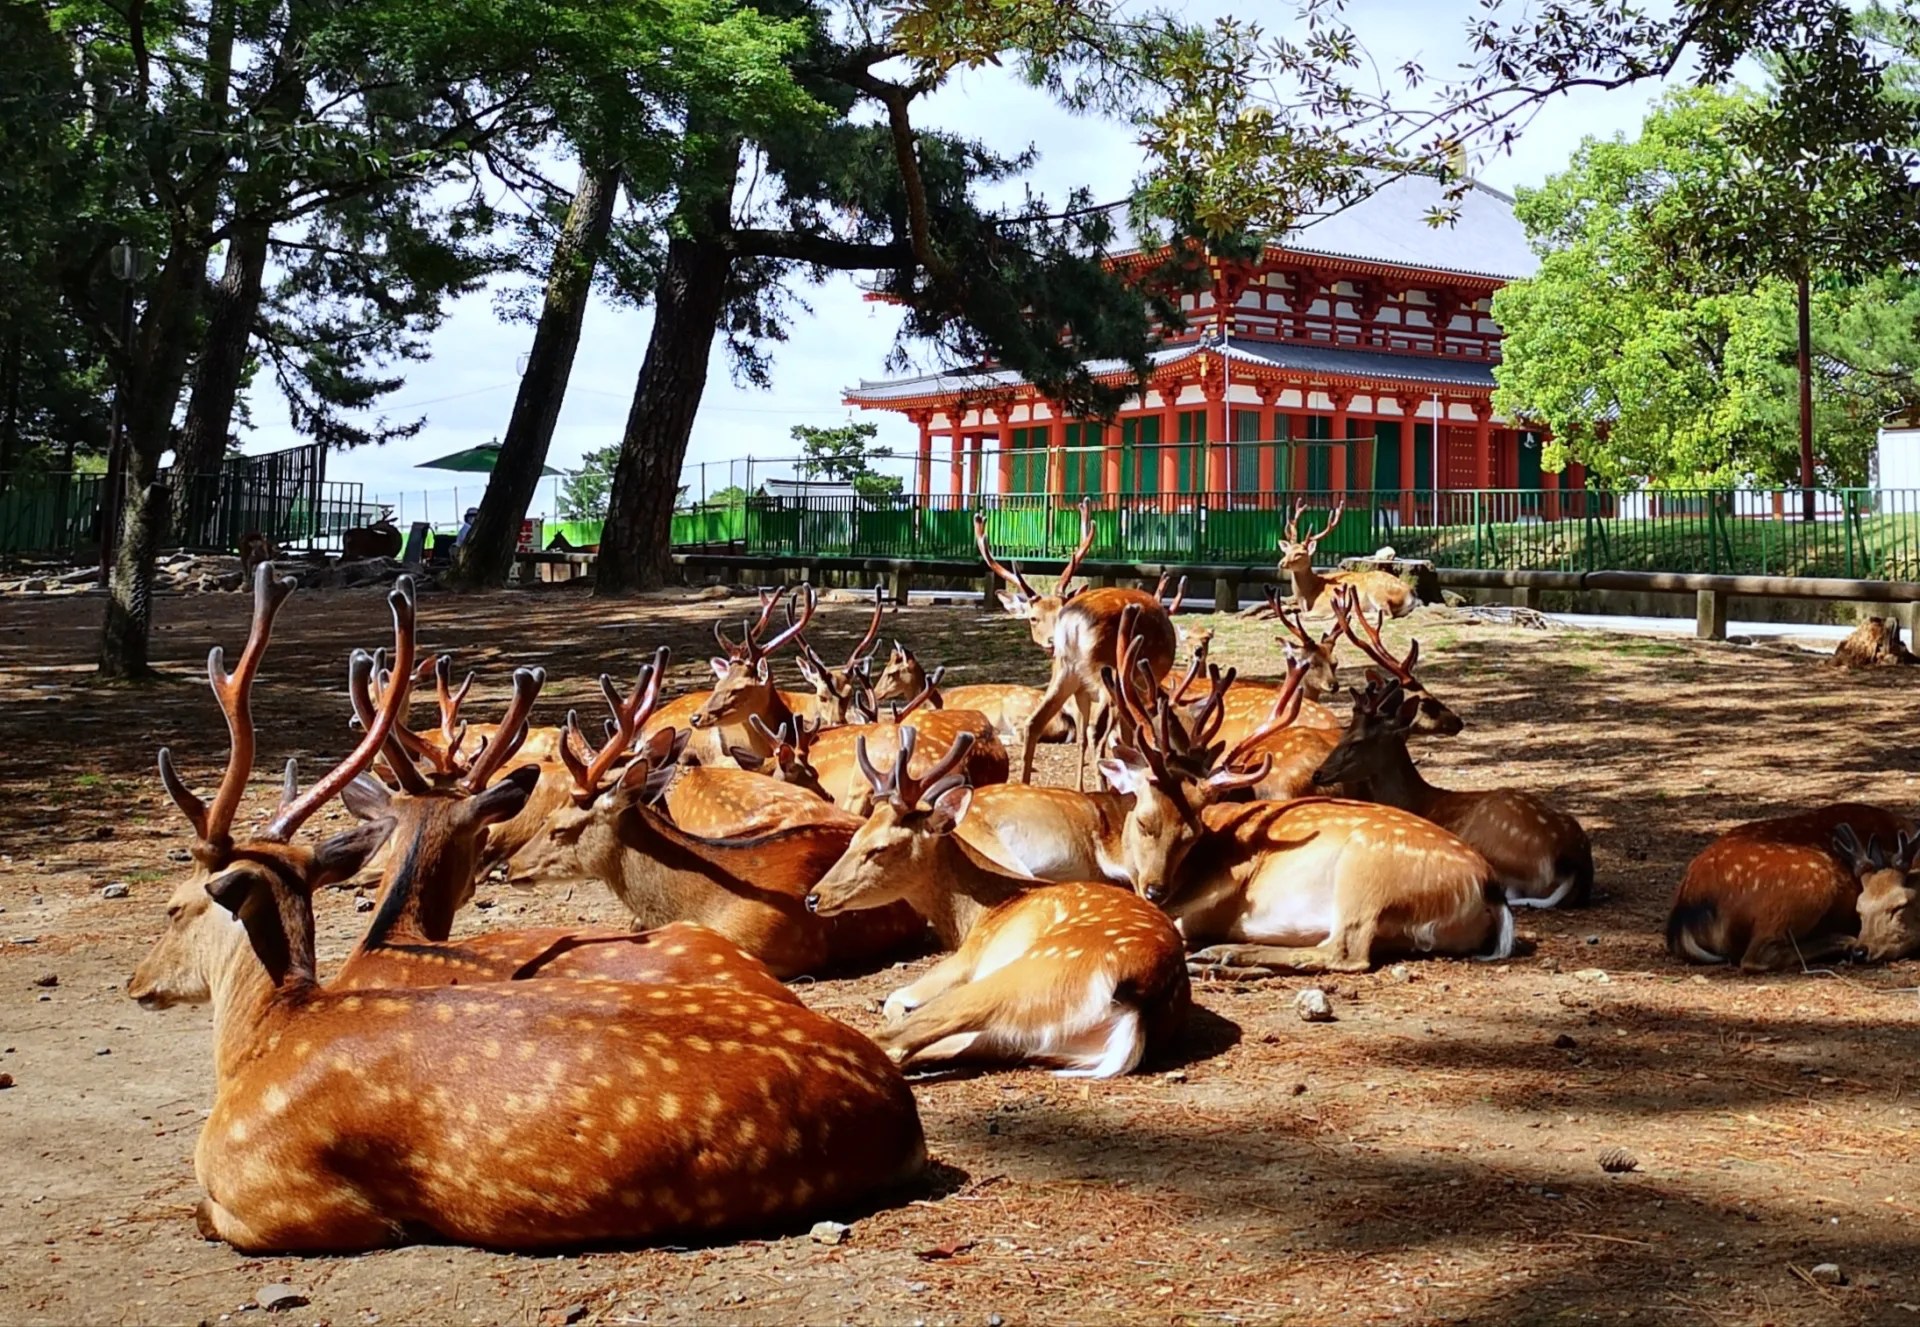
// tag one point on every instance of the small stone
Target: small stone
(6, 1081)
(1593, 939)
(1299, 1089)
(484, 903)
(1596, 976)
(1550, 965)
(1827, 1274)
(829, 1232)
(361, 903)
(103, 1050)
(179, 855)
(1313, 1006)
(115, 889)
(994, 1319)
(1175, 1075)
(47, 979)
(279, 1298)
(1564, 1043)
(1401, 972)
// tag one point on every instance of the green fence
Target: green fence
(1864, 533)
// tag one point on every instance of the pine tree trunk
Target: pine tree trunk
(233, 302)
(635, 549)
(156, 381)
(485, 559)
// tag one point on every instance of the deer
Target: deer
(1082, 978)
(1378, 590)
(743, 686)
(441, 817)
(835, 752)
(1007, 707)
(841, 695)
(1079, 630)
(1540, 855)
(376, 539)
(749, 890)
(713, 801)
(1816, 885)
(1249, 704)
(254, 548)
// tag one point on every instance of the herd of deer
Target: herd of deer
(561, 1086)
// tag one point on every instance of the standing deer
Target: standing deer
(1378, 590)
(1082, 978)
(1778, 893)
(749, 890)
(1540, 855)
(1080, 629)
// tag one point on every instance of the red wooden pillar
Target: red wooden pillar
(1003, 440)
(1109, 460)
(1337, 453)
(924, 479)
(1550, 495)
(974, 441)
(1409, 455)
(1053, 436)
(1169, 450)
(1219, 445)
(1483, 444)
(956, 482)
(1297, 430)
(1270, 444)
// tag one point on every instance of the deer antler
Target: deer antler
(213, 826)
(508, 734)
(1015, 578)
(1373, 646)
(749, 633)
(452, 731)
(629, 717)
(1286, 708)
(1179, 593)
(1292, 535)
(294, 811)
(898, 785)
(929, 696)
(796, 627)
(869, 642)
(1333, 519)
(1087, 532)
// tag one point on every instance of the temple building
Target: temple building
(1355, 354)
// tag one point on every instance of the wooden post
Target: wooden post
(1109, 460)
(1269, 479)
(1226, 595)
(925, 477)
(1710, 615)
(899, 586)
(1169, 448)
(1219, 447)
(1483, 444)
(1337, 453)
(1526, 596)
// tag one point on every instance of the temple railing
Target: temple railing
(1856, 533)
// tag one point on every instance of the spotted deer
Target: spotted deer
(1378, 590)
(441, 816)
(842, 695)
(1007, 707)
(749, 890)
(1539, 854)
(1798, 889)
(1079, 629)
(743, 687)
(835, 752)
(1249, 705)
(1082, 978)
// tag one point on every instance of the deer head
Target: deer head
(202, 944)
(617, 774)
(842, 693)
(786, 760)
(1376, 734)
(743, 682)
(894, 850)
(1889, 919)
(1322, 670)
(902, 678)
(1041, 612)
(1431, 717)
(1296, 550)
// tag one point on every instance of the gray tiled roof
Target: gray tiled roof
(982, 381)
(1389, 225)
(1365, 363)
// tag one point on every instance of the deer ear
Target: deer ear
(949, 809)
(1121, 777)
(807, 670)
(747, 760)
(341, 857)
(367, 798)
(504, 800)
(230, 888)
(719, 667)
(1010, 602)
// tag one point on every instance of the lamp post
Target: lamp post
(128, 263)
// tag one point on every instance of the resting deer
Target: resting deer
(1779, 893)
(1080, 630)
(1379, 590)
(748, 890)
(441, 817)
(1539, 854)
(1249, 705)
(712, 801)
(841, 695)
(345, 1121)
(1007, 707)
(1082, 978)
(743, 687)
(835, 753)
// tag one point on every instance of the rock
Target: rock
(103, 1050)
(1593, 939)
(829, 1232)
(1313, 1006)
(1401, 972)
(6, 1081)
(114, 889)
(1597, 976)
(1827, 1274)
(279, 1298)
(1564, 1043)
(361, 903)
(1450, 599)
(47, 979)
(179, 855)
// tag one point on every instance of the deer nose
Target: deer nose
(1859, 954)
(1322, 779)
(813, 901)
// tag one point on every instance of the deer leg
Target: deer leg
(1083, 706)
(1276, 960)
(1059, 688)
(1784, 953)
(937, 980)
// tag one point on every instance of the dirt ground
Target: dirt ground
(1431, 1156)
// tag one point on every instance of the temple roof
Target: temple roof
(1307, 360)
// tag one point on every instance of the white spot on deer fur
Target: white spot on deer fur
(443, 1013)
(667, 1106)
(273, 1100)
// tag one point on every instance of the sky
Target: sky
(465, 389)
